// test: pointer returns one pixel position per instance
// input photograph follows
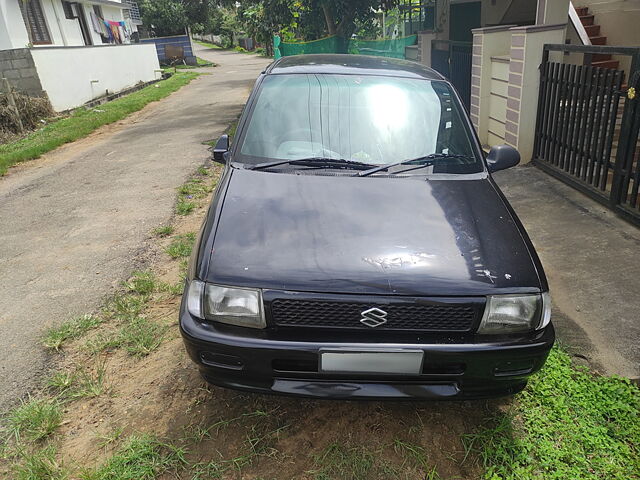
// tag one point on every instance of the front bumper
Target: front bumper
(464, 368)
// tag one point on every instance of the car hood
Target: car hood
(373, 235)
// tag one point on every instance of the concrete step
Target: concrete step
(600, 57)
(593, 30)
(587, 20)
(598, 40)
(582, 11)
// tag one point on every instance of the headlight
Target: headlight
(234, 306)
(515, 313)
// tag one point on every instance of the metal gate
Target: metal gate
(453, 60)
(588, 122)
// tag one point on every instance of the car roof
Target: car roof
(346, 64)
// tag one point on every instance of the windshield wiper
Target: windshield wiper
(316, 162)
(425, 161)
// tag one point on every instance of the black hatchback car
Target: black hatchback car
(357, 246)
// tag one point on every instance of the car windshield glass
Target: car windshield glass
(374, 120)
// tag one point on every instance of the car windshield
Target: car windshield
(375, 120)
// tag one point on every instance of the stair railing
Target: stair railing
(577, 24)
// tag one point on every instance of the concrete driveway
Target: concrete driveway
(592, 263)
(76, 222)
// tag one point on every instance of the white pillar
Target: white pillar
(487, 42)
(524, 83)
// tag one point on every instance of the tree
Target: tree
(261, 19)
(341, 15)
(171, 17)
(164, 17)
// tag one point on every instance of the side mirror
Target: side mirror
(222, 147)
(501, 157)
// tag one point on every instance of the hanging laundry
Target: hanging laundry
(128, 30)
(108, 32)
(115, 31)
(123, 32)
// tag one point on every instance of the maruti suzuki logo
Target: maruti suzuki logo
(374, 317)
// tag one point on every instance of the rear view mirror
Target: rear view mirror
(501, 157)
(222, 147)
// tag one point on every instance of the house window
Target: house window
(35, 22)
(68, 10)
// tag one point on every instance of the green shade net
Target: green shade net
(381, 48)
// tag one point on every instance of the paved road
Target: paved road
(75, 223)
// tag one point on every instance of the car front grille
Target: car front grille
(437, 317)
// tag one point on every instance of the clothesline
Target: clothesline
(113, 31)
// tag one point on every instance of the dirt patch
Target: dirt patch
(31, 112)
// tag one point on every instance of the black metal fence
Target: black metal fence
(587, 125)
(453, 60)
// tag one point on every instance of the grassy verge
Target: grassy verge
(199, 63)
(257, 51)
(208, 45)
(83, 121)
(568, 423)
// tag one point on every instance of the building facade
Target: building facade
(73, 52)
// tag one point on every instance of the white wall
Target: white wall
(13, 33)
(66, 74)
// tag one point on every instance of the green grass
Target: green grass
(84, 121)
(125, 306)
(138, 336)
(568, 424)
(110, 437)
(142, 283)
(88, 384)
(181, 246)
(416, 455)
(39, 465)
(185, 207)
(163, 231)
(81, 383)
(339, 461)
(55, 337)
(34, 419)
(194, 189)
(141, 457)
(61, 381)
(208, 45)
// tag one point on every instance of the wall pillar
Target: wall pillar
(424, 47)
(524, 82)
(552, 12)
(487, 42)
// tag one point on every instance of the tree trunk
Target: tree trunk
(329, 19)
(344, 31)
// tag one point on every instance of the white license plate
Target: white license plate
(407, 362)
